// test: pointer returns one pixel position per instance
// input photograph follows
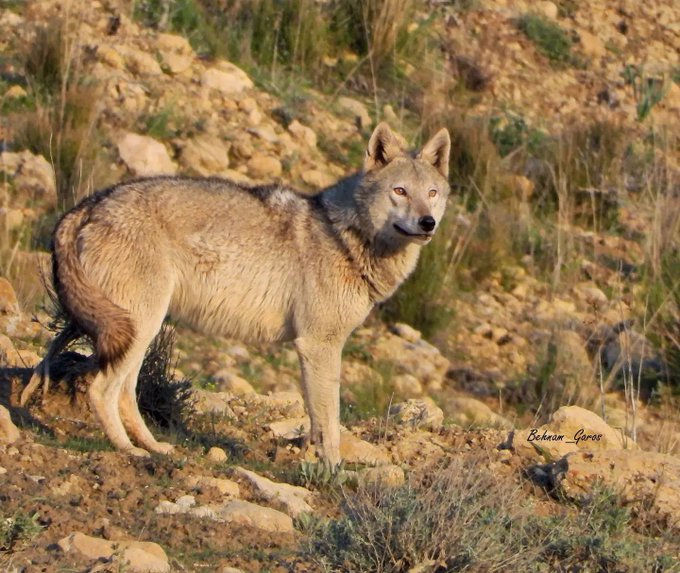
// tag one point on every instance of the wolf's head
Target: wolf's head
(402, 196)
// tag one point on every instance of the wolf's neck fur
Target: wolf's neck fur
(383, 265)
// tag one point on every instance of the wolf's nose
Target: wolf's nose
(427, 223)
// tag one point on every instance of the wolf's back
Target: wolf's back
(108, 325)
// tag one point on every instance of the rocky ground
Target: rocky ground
(518, 354)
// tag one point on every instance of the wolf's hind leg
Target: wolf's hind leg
(320, 364)
(41, 373)
(132, 418)
(104, 394)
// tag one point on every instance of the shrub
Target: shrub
(18, 529)
(166, 402)
(549, 38)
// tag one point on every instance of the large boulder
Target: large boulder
(136, 556)
(569, 429)
(145, 156)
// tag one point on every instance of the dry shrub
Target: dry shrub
(454, 518)
(464, 517)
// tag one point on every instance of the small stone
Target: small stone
(224, 486)
(591, 45)
(417, 413)
(291, 428)
(317, 178)
(406, 332)
(356, 451)
(227, 381)
(303, 133)
(15, 92)
(217, 455)
(8, 298)
(205, 155)
(264, 167)
(357, 110)
(186, 501)
(548, 9)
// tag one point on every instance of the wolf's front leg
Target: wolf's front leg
(320, 363)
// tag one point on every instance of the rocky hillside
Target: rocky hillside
(513, 408)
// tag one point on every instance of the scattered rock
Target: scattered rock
(140, 556)
(205, 155)
(227, 381)
(357, 110)
(145, 156)
(317, 178)
(292, 499)
(224, 486)
(253, 515)
(548, 9)
(290, 428)
(420, 359)
(469, 412)
(217, 455)
(382, 476)
(32, 176)
(8, 298)
(356, 451)
(207, 402)
(417, 413)
(407, 386)
(638, 477)
(591, 45)
(138, 62)
(9, 433)
(407, 332)
(226, 78)
(303, 133)
(264, 167)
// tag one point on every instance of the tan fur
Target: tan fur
(259, 264)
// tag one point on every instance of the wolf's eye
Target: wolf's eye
(399, 191)
(432, 193)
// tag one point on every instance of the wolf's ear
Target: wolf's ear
(436, 152)
(383, 147)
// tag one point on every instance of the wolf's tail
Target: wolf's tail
(108, 325)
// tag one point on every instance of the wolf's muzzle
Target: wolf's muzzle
(427, 223)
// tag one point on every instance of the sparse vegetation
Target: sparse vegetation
(62, 124)
(18, 529)
(462, 518)
(550, 39)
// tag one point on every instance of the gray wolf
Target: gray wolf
(260, 263)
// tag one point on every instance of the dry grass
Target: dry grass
(63, 125)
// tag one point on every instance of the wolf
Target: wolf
(257, 263)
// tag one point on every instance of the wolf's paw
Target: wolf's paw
(137, 452)
(162, 448)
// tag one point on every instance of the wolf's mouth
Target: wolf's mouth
(415, 235)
